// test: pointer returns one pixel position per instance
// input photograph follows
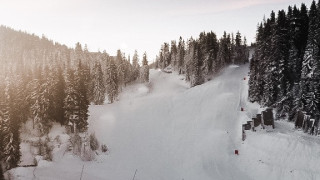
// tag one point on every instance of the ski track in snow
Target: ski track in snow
(168, 131)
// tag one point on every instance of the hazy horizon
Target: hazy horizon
(143, 25)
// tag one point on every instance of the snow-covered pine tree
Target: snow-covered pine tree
(312, 100)
(279, 60)
(86, 74)
(253, 79)
(309, 64)
(173, 55)
(99, 89)
(87, 67)
(233, 49)
(196, 73)
(295, 103)
(216, 66)
(268, 66)
(180, 55)
(238, 49)
(228, 50)
(299, 35)
(194, 63)
(59, 96)
(256, 87)
(71, 101)
(78, 54)
(245, 50)
(20, 81)
(212, 48)
(160, 61)
(293, 62)
(112, 80)
(144, 73)
(82, 123)
(40, 106)
(166, 55)
(52, 80)
(135, 64)
(303, 35)
(103, 59)
(224, 52)
(10, 126)
(204, 52)
(120, 63)
(127, 71)
(156, 63)
(189, 56)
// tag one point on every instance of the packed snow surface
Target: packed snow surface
(165, 130)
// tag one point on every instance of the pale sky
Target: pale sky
(135, 24)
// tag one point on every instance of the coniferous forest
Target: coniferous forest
(202, 57)
(285, 69)
(47, 82)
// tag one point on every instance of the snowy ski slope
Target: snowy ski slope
(167, 131)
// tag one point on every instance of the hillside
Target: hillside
(166, 130)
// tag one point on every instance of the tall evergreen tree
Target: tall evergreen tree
(127, 71)
(189, 57)
(120, 69)
(79, 56)
(299, 24)
(41, 103)
(10, 128)
(112, 81)
(59, 96)
(82, 123)
(144, 74)
(268, 90)
(252, 80)
(71, 101)
(238, 49)
(308, 98)
(135, 64)
(181, 54)
(256, 74)
(196, 63)
(99, 87)
(204, 60)
(280, 48)
(224, 52)
(173, 54)
(164, 56)
(212, 47)
(22, 104)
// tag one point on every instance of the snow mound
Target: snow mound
(30, 138)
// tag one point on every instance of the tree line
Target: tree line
(199, 58)
(48, 82)
(285, 69)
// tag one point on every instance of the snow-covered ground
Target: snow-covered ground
(165, 131)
